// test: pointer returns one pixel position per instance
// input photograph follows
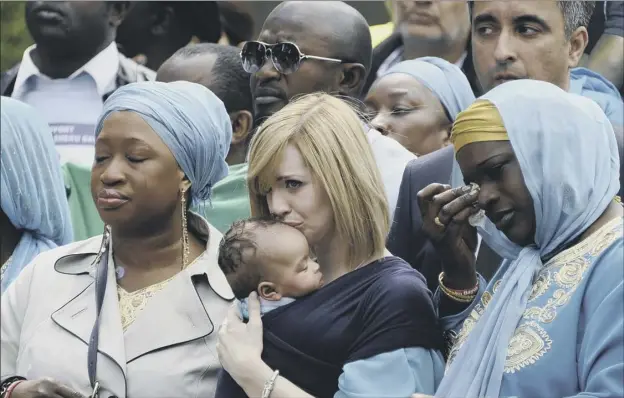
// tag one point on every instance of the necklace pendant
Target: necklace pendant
(120, 272)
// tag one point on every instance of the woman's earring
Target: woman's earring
(186, 251)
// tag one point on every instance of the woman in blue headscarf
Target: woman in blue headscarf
(551, 321)
(34, 216)
(417, 101)
(148, 295)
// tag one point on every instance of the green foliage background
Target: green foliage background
(14, 37)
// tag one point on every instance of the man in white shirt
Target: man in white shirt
(71, 69)
(340, 36)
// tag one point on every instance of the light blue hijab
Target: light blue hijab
(445, 80)
(567, 152)
(190, 120)
(31, 185)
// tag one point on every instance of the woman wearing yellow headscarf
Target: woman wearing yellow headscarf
(551, 321)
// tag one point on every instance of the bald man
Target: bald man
(332, 30)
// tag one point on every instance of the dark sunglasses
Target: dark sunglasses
(286, 57)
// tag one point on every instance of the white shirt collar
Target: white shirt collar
(103, 68)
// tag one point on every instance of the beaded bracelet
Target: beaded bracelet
(464, 296)
(11, 388)
(457, 298)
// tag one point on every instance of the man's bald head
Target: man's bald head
(343, 28)
(329, 29)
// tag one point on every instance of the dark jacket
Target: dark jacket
(407, 238)
(394, 41)
(129, 72)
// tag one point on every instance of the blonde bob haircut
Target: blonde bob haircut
(332, 141)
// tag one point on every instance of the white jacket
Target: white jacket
(391, 158)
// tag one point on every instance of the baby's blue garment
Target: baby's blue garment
(265, 305)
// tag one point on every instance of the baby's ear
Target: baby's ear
(268, 291)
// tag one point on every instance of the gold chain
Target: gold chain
(186, 251)
(5, 266)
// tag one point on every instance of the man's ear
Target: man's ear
(267, 291)
(118, 12)
(352, 79)
(242, 124)
(577, 43)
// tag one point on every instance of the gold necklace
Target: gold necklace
(5, 266)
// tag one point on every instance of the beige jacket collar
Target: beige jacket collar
(189, 307)
(81, 261)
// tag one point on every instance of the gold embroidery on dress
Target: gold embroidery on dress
(486, 297)
(567, 269)
(603, 244)
(468, 325)
(466, 328)
(496, 286)
(541, 285)
(548, 312)
(130, 304)
(528, 344)
(571, 273)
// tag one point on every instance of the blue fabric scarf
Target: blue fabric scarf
(567, 152)
(190, 120)
(593, 85)
(445, 80)
(31, 186)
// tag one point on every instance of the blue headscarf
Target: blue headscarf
(31, 185)
(445, 80)
(190, 120)
(567, 152)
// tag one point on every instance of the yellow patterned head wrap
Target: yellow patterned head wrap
(480, 122)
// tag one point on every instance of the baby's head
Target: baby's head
(269, 257)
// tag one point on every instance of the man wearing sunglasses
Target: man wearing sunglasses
(309, 46)
(305, 47)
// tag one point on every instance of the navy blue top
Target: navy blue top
(378, 308)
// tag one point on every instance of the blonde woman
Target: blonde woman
(311, 166)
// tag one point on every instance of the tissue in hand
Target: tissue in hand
(478, 219)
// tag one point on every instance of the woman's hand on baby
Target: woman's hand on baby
(445, 214)
(240, 344)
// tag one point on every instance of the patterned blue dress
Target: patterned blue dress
(570, 340)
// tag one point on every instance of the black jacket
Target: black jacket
(394, 41)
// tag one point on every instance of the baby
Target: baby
(270, 258)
